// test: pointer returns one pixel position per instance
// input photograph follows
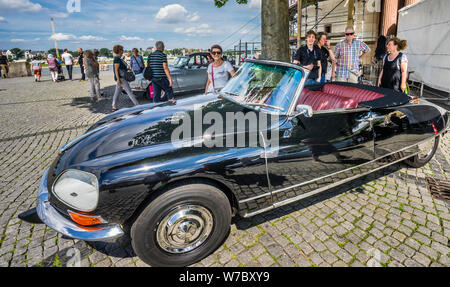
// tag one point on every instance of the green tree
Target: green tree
(105, 52)
(274, 28)
(53, 52)
(18, 53)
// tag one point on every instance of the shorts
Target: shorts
(37, 72)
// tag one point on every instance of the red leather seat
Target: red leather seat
(358, 95)
(320, 101)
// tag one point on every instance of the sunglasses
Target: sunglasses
(349, 34)
(216, 53)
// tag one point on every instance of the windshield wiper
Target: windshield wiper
(231, 94)
(265, 106)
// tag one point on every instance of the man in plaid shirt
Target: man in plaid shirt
(348, 53)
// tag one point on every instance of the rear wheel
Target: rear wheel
(426, 153)
(182, 226)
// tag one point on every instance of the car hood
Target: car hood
(139, 127)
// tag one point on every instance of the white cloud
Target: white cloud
(91, 38)
(127, 20)
(150, 39)
(125, 38)
(20, 5)
(3, 20)
(200, 30)
(254, 4)
(62, 37)
(174, 13)
(193, 17)
(17, 40)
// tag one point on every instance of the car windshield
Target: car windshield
(181, 62)
(264, 86)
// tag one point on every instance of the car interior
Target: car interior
(333, 96)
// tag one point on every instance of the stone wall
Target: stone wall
(19, 69)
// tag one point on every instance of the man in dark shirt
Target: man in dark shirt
(327, 54)
(81, 63)
(4, 65)
(309, 56)
(161, 77)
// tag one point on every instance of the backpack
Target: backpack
(148, 71)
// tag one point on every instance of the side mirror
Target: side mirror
(305, 110)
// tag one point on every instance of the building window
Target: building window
(328, 28)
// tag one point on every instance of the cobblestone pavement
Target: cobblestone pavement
(388, 216)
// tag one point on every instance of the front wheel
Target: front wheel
(182, 226)
(426, 153)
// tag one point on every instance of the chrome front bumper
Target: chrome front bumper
(53, 219)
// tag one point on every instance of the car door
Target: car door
(319, 151)
(194, 73)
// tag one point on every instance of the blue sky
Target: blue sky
(132, 23)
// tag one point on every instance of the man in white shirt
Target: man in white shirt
(68, 60)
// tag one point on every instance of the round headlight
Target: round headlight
(77, 189)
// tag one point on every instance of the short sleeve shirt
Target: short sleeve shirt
(68, 60)
(35, 64)
(156, 61)
(221, 76)
(347, 56)
(122, 66)
(402, 60)
(307, 57)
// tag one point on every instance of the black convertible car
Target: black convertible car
(174, 183)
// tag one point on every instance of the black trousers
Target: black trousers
(83, 76)
(69, 71)
(161, 84)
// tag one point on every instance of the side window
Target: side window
(195, 62)
(205, 61)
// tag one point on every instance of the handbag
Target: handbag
(127, 75)
(148, 71)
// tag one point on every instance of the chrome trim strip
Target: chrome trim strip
(53, 219)
(311, 193)
(336, 173)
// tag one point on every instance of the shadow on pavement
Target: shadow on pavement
(353, 186)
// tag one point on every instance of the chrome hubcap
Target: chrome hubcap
(184, 228)
(426, 148)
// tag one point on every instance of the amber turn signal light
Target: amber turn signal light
(86, 220)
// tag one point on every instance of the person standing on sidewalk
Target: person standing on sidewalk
(91, 66)
(4, 65)
(309, 56)
(137, 62)
(119, 64)
(395, 66)
(53, 67)
(327, 54)
(81, 63)
(36, 66)
(219, 71)
(348, 54)
(161, 77)
(68, 61)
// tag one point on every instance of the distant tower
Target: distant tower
(54, 38)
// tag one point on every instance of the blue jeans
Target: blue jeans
(161, 84)
(323, 79)
(310, 82)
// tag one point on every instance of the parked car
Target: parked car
(189, 74)
(176, 196)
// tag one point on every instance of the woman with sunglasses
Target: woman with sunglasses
(219, 71)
